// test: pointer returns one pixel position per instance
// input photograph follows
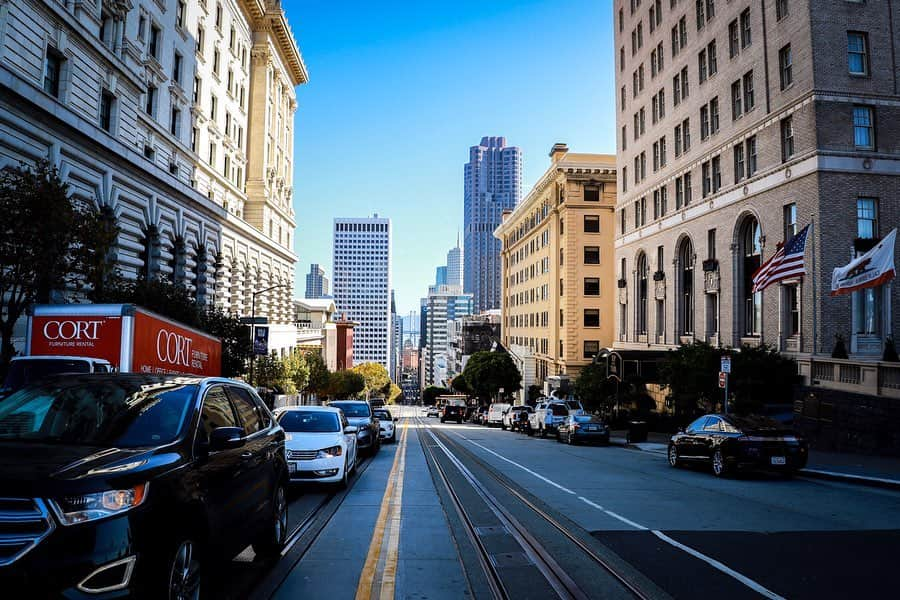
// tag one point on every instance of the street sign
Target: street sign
(723, 378)
(726, 364)
(254, 320)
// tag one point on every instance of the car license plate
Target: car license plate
(591, 428)
(778, 460)
(292, 467)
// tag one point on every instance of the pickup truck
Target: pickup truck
(558, 409)
(511, 416)
(454, 410)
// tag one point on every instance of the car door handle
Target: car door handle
(246, 455)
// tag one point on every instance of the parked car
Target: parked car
(453, 410)
(125, 484)
(511, 416)
(359, 414)
(577, 428)
(730, 442)
(386, 423)
(320, 444)
(432, 411)
(549, 414)
(495, 413)
(479, 415)
(24, 370)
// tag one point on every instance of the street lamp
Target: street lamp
(253, 296)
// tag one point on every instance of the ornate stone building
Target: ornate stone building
(175, 117)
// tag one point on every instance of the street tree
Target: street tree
(271, 373)
(376, 378)
(593, 388)
(296, 371)
(430, 394)
(48, 243)
(395, 395)
(318, 379)
(459, 384)
(346, 384)
(487, 372)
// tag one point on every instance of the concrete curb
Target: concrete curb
(879, 482)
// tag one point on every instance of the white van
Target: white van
(495, 413)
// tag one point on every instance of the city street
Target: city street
(455, 511)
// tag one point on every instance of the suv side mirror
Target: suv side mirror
(396, 419)
(226, 438)
(351, 429)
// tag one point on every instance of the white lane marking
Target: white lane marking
(612, 514)
(721, 567)
(757, 587)
(512, 462)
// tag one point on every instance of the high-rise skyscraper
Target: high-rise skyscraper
(362, 284)
(493, 183)
(444, 303)
(316, 282)
(440, 277)
(396, 341)
(454, 265)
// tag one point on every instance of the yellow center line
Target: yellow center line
(384, 578)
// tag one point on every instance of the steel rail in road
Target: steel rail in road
(558, 579)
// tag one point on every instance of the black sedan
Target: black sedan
(730, 442)
(583, 428)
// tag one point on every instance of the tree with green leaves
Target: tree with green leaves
(270, 373)
(595, 391)
(430, 394)
(318, 378)
(459, 384)
(487, 372)
(49, 243)
(395, 395)
(296, 372)
(375, 376)
(345, 385)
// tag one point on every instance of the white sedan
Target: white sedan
(387, 429)
(320, 444)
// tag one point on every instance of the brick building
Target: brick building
(739, 123)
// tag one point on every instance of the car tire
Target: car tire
(672, 455)
(271, 543)
(345, 476)
(543, 433)
(720, 466)
(183, 571)
(394, 437)
(442, 419)
(571, 439)
(503, 426)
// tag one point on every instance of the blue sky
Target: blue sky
(398, 92)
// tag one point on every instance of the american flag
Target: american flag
(787, 262)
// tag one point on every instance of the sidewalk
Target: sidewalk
(878, 471)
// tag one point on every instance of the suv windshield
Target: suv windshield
(308, 421)
(558, 410)
(120, 414)
(353, 409)
(25, 371)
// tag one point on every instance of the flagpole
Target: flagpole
(812, 227)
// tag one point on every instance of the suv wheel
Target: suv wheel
(719, 466)
(674, 461)
(275, 535)
(184, 572)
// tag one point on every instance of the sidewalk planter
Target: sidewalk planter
(637, 432)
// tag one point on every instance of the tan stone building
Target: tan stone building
(558, 268)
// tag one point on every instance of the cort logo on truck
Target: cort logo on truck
(173, 348)
(72, 330)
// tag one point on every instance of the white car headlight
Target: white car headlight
(90, 507)
(330, 452)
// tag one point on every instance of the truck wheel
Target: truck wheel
(503, 426)
(543, 433)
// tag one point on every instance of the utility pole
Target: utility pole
(253, 296)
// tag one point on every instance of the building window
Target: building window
(591, 286)
(591, 317)
(686, 135)
(711, 243)
(215, 65)
(591, 193)
(739, 164)
(863, 128)
(746, 37)
(213, 107)
(591, 224)
(53, 66)
(733, 39)
(790, 221)
(701, 65)
(787, 138)
(781, 9)
(867, 304)
(591, 348)
(786, 66)
(866, 218)
(707, 179)
(716, 173)
(154, 45)
(150, 105)
(704, 122)
(179, 13)
(107, 103)
(736, 105)
(642, 285)
(749, 98)
(212, 154)
(686, 283)
(175, 122)
(591, 255)
(712, 63)
(714, 115)
(176, 68)
(751, 156)
(858, 52)
(750, 250)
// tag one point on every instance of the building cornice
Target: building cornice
(268, 16)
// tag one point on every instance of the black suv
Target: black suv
(118, 485)
(454, 410)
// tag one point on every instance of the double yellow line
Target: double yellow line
(379, 575)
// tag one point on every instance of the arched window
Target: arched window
(642, 290)
(750, 249)
(150, 253)
(686, 282)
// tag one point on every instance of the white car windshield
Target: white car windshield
(307, 421)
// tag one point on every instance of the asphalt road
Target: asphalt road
(671, 533)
